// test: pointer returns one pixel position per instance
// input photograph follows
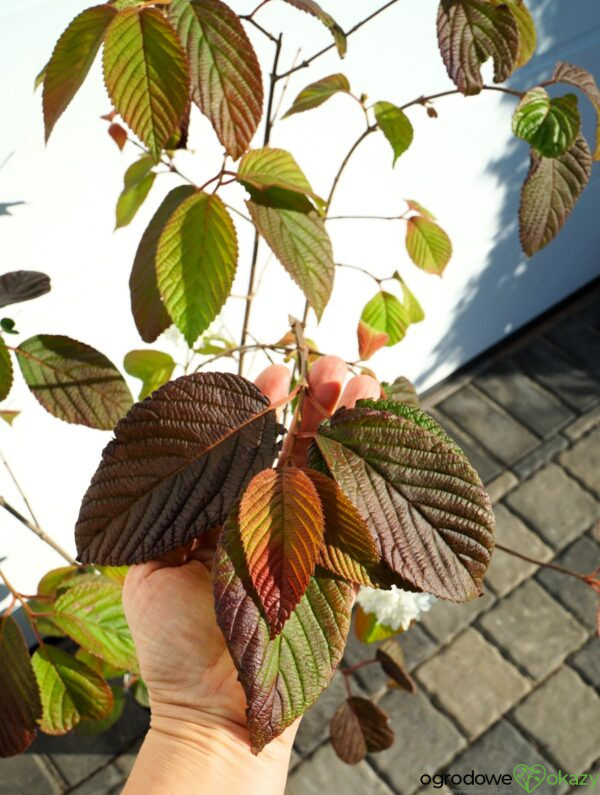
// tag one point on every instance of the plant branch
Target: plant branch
(28, 611)
(358, 268)
(346, 160)
(365, 218)
(20, 490)
(349, 33)
(266, 139)
(588, 579)
(264, 31)
(38, 531)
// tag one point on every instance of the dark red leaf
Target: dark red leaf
(17, 286)
(391, 659)
(359, 727)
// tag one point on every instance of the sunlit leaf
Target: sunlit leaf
(71, 60)
(73, 381)
(150, 316)
(18, 286)
(118, 134)
(275, 172)
(418, 208)
(20, 704)
(357, 727)
(100, 666)
(396, 127)
(91, 728)
(319, 92)
(92, 615)
(300, 242)
(550, 192)
(384, 313)
(178, 463)
(141, 695)
(470, 32)
(418, 493)
(9, 416)
(525, 28)
(146, 75)
(153, 368)
(284, 676)
(315, 10)
(550, 125)
(369, 340)
(369, 630)
(139, 178)
(6, 370)
(69, 690)
(196, 259)
(226, 77)
(281, 529)
(391, 659)
(580, 78)
(427, 244)
(401, 390)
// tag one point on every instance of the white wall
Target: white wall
(463, 166)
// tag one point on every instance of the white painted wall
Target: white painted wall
(463, 166)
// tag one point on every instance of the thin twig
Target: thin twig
(264, 31)
(362, 270)
(365, 218)
(347, 159)
(27, 610)
(20, 490)
(586, 578)
(38, 531)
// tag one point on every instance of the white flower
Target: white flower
(395, 608)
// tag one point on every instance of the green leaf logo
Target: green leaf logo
(529, 777)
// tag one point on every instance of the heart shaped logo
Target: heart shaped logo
(529, 777)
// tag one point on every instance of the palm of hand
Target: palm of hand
(183, 656)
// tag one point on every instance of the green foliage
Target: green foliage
(315, 10)
(139, 178)
(277, 177)
(396, 127)
(153, 368)
(549, 125)
(319, 92)
(580, 78)
(6, 370)
(427, 244)
(369, 630)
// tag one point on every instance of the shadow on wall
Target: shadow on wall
(509, 285)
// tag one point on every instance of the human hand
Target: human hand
(183, 657)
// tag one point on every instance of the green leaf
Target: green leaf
(419, 209)
(55, 578)
(284, 676)
(525, 28)
(153, 368)
(226, 77)
(401, 390)
(427, 244)
(150, 316)
(315, 10)
(9, 416)
(196, 259)
(139, 178)
(145, 71)
(6, 370)
(549, 125)
(300, 242)
(550, 192)
(357, 727)
(91, 613)
(396, 127)
(319, 92)
(177, 464)
(418, 493)
(580, 78)
(470, 32)
(91, 728)
(413, 308)
(18, 286)
(71, 60)
(275, 172)
(369, 630)
(8, 325)
(20, 705)
(281, 528)
(73, 381)
(141, 695)
(100, 666)
(384, 313)
(69, 689)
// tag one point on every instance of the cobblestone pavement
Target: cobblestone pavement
(510, 678)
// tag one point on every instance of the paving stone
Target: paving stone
(540, 456)
(555, 505)
(534, 629)
(498, 752)
(27, 774)
(563, 715)
(559, 373)
(583, 460)
(446, 619)
(583, 556)
(590, 313)
(526, 400)
(487, 466)
(501, 485)
(496, 430)
(78, 757)
(103, 782)
(325, 774)
(126, 760)
(587, 662)
(295, 760)
(473, 682)
(314, 727)
(425, 741)
(584, 424)
(579, 340)
(506, 571)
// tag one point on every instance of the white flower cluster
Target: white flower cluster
(395, 608)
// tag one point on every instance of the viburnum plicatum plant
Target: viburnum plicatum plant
(385, 500)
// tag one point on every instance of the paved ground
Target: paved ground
(511, 678)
